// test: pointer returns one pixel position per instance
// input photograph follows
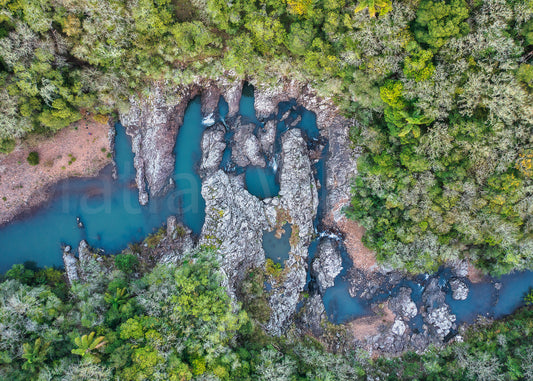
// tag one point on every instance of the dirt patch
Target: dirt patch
(368, 326)
(362, 257)
(81, 149)
(475, 275)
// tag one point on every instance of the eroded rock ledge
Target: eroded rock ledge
(153, 122)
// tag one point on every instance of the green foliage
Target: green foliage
(525, 75)
(126, 262)
(272, 268)
(35, 355)
(374, 6)
(186, 326)
(7, 145)
(433, 185)
(528, 299)
(33, 158)
(440, 89)
(87, 346)
(437, 21)
(253, 296)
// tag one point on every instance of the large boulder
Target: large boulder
(402, 304)
(246, 148)
(327, 264)
(437, 313)
(459, 289)
(213, 145)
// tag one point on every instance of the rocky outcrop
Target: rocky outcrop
(267, 136)
(213, 145)
(327, 264)
(436, 312)
(368, 284)
(341, 162)
(313, 315)
(84, 252)
(299, 200)
(246, 149)
(234, 222)
(153, 122)
(459, 289)
(402, 304)
(71, 265)
(411, 327)
(232, 92)
(298, 190)
(177, 242)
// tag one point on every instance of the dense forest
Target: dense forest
(176, 322)
(440, 93)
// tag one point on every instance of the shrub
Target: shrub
(272, 268)
(33, 158)
(126, 262)
(7, 145)
(528, 299)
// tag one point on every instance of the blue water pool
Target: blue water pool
(261, 182)
(277, 249)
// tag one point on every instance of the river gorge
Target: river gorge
(262, 175)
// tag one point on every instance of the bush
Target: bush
(33, 158)
(126, 262)
(7, 145)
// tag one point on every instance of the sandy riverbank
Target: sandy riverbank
(81, 149)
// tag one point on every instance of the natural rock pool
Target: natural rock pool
(112, 216)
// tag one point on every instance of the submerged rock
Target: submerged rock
(327, 264)
(459, 289)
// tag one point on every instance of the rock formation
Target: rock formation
(327, 264)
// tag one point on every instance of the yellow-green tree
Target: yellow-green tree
(374, 6)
